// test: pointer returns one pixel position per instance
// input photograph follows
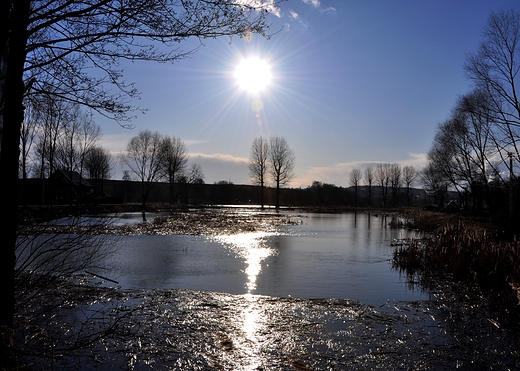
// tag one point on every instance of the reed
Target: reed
(472, 255)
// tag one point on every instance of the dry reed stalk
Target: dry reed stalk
(473, 255)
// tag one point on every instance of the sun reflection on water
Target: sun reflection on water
(252, 248)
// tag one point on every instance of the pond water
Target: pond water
(201, 324)
(344, 256)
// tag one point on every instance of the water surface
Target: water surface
(344, 256)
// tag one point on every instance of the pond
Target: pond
(343, 256)
(320, 295)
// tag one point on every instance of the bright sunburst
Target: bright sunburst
(253, 75)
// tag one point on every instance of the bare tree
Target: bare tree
(410, 175)
(258, 164)
(98, 166)
(494, 69)
(369, 180)
(144, 159)
(53, 45)
(53, 116)
(281, 164)
(355, 178)
(175, 158)
(192, 176)
(382, 175)
(435, 183)
(79, 134)
(465, 146)
(51, 260)
(395, 173)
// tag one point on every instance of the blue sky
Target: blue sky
(355, 83)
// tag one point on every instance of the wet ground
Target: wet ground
(193, 330)
(100, 328)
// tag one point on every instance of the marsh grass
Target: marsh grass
(470, 254)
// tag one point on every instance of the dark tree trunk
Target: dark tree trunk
(277, 195)
(10, 150)
(144, 196)
(262, 194)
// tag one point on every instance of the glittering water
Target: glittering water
(179, 308)
(342, 256)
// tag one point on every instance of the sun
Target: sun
(253, 75)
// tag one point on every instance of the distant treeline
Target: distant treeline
(36, 192)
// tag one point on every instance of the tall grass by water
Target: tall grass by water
(472, 255)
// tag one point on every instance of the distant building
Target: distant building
(69, 187)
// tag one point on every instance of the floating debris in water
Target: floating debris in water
(198, 222)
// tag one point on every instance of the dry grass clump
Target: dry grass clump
(473, 255)
(431, 220)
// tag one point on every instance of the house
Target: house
(69, 187)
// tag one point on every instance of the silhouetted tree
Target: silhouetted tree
(281, 164)
(369, 180)
(52, 118)
(355, 178)
(175, 157)
(494, 70)
(192, 176)
(395, 173)
(78, 135)
(98, 166)
(144, 158)
(382, 175)
(464, 148)
(258, 164)
(409, 177)
(435, 183)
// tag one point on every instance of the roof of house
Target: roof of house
(75, 178)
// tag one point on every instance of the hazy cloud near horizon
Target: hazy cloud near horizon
(339, 173)
(218, 167)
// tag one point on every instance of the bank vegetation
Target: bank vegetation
(470, 252)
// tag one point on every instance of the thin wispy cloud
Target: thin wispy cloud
(317, 4)
(116, 143)
(269, 6)
(194, 142)
(330, 9)
(219, 157)
(417, 160)
(314, 3)
(294, 16)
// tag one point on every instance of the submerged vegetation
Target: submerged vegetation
(467, 252)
